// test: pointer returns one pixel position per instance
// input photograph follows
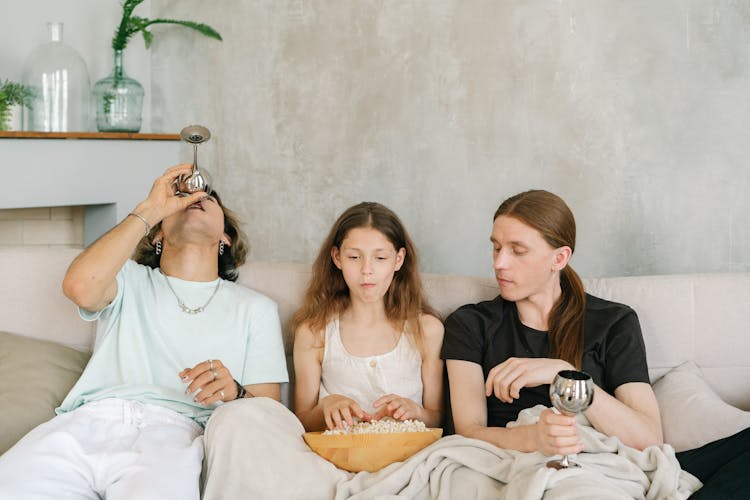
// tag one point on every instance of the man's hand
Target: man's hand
(556, 434)
(162, 201)
(508, 378)
(212, 381)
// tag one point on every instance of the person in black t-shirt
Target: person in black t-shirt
(491, 332)
(502, 354)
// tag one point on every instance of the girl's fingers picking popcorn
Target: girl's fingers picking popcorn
(336, 416)
(360, 413)
(384, 426)
(347, 416)
(328, 419)
(383, 400)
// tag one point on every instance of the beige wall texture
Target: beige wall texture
(54, 226)
(636, 113)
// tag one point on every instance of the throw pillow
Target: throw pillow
(692, 414)
(36, 375)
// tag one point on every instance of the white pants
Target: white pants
(114, 449)
(255, 450)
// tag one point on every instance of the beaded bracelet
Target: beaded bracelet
(148, 226)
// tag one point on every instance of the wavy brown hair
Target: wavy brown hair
(327, 294)
(547, 213)
(234, 255)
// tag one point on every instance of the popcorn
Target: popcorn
(385, 425)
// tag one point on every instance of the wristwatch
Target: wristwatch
(241, 391)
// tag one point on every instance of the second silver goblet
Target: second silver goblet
(571, 392)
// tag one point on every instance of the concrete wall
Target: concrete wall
(635, 112)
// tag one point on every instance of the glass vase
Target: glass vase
(118, 100)
(60, 81)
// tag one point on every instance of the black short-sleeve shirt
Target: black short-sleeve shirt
(490, 332)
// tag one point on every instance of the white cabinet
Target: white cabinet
(107, 173)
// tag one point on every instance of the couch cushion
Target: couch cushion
(36, 375)
(692, 413)
(285, 283)
(696, 317)
(32, 298)
(666, 309)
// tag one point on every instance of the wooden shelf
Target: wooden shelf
(89, 135)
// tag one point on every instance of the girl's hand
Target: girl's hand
(556, 434)
(338, 411)
(508, 378)
(397, 407)
(214, 381)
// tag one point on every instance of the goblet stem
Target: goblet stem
(195, 158)
(564, 462)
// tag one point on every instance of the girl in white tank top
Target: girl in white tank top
(394, 372)
(366, 344)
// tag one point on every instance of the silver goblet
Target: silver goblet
(197, 180)
(571, 392)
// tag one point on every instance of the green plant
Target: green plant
(132, 24)
(12, 93)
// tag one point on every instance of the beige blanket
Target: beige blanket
(457, 467)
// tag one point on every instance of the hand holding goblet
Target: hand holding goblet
(571, 392)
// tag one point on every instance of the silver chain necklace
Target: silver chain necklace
(182, 305)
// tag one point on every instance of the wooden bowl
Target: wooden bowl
(369, 452)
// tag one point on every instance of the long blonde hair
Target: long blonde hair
(547, 213)
(328, 295)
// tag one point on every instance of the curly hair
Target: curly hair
(233, 257)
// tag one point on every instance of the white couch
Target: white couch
(700, 318)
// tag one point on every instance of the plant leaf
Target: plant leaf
(147, 37)
(15, 93)
(122, 34)
(131, 24)
(202, 28)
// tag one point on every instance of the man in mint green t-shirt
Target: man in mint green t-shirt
(176, 337)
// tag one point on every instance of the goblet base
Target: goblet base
(561, 464)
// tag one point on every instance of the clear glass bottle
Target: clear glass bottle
(60, 81)
(118, 100)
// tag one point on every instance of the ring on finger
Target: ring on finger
(210, 364)
(222, 395)
(215, 374)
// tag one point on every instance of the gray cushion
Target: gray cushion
(36, 375)
(692, 414)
